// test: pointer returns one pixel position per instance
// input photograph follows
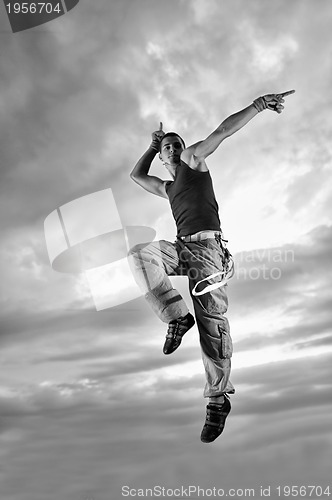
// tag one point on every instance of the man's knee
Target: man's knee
(135, 250)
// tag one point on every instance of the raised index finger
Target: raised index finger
(289, 92)
(161, 126)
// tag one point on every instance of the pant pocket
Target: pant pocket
(226, 344)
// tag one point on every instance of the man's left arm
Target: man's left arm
(232, 124)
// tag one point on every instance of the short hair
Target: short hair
(172, 134)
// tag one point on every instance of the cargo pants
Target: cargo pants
(153, 263)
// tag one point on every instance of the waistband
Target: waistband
(202, 235)
(227, 271)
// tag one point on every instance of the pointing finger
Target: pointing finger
(161, 126)
(289, 92)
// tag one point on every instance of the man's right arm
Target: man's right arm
(140, 172)
(140, 175)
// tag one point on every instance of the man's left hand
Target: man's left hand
(274, 101)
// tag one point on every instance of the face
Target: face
(171, 149)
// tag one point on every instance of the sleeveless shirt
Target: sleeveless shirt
(193, 201)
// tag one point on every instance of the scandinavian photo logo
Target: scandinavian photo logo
(24, 15)
(86, 236)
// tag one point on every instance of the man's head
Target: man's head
(171, 147)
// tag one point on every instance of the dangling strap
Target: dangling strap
(228, 274)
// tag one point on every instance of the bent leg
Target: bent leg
(151, 264)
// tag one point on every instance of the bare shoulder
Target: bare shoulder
(189, 157)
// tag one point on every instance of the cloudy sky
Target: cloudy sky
(89, 403)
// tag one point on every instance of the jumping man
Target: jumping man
(199, 252)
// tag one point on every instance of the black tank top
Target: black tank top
(192, 200)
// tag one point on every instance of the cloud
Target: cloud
(293, 271)
(99, 448)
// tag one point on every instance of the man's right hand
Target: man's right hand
(157, 137)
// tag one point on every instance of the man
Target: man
(198, 252)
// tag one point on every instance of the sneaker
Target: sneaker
(215, 420)
(175, 332)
